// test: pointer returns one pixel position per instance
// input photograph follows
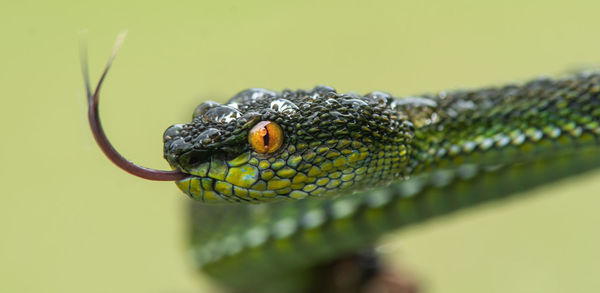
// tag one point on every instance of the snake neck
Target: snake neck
(499, 126)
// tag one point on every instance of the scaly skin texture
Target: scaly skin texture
(354, 167)
(332, 143)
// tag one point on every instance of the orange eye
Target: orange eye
(266, 137)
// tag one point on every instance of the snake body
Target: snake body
(353, 167)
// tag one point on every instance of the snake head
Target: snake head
(264, 146)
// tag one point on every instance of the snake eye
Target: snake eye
(266, 137)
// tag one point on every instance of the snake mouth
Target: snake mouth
(215, 177)
(248, 179)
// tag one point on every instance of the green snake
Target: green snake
(304, 177)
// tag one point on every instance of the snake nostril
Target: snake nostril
(194, 158)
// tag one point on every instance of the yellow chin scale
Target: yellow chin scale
(254, 178)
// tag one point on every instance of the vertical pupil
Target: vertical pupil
(266, 137)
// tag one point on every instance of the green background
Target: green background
(72, 222)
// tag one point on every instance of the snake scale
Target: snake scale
(288, 181)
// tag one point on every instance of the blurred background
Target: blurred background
(72, 222)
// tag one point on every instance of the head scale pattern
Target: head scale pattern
(332, 142)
